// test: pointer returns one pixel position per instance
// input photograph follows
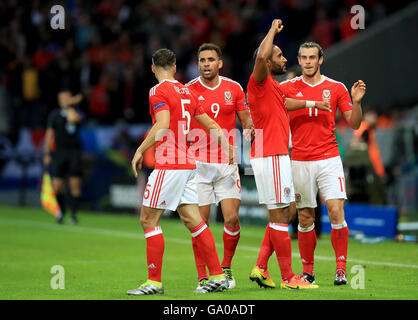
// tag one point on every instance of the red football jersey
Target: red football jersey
(221, 104)
(312, 130)
(171, 151)
(269, 114)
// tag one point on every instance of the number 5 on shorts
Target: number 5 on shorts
(147, 192)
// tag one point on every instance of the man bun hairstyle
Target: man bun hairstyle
(311, 44)
(164, 58)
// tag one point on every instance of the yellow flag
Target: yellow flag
(48, 199)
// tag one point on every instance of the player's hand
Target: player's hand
(47, 160)
(249, 134)
(323, 105)
(277, 25)
(232, 154)
(137, 162)
(358, 91)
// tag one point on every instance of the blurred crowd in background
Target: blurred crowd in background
(104, 51)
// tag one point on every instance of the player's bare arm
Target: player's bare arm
(264, 51)
(296, 104)
(217, 134)
(244, 117)
(354, 116)
(162, 123)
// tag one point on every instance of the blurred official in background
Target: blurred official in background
(62, 139)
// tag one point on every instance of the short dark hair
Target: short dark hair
(311, 44)
(255, 54)
(210, 46)
(164, 58)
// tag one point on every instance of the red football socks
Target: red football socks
(339, 240)
(155, 251)
(231, 237)
(206, 245)
(266, 250)
(307, 244)
(200, 262)
(279, 236)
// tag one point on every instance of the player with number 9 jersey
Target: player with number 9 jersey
(221, 103)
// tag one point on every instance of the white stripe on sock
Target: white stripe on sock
(195, 234)
(277, 227)
(231, 233)
(157, 230)
(306, 229)
(339, 226)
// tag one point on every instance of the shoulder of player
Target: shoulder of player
(192, 82)
(230, 82)
(153, 91)
(55, 113)
(293, 80)
(337, 84)
(164, 85)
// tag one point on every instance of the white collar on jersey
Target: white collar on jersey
(215, 87)
(172, 81)
(314, 85)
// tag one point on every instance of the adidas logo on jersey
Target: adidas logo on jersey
(201, 98)
(299, 94)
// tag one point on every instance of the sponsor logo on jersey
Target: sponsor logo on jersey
(300, 94)
(200, 98)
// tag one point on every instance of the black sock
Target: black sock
(61, 202)
(74, 203)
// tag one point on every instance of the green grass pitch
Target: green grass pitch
(104, 255)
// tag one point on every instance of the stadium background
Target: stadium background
(104, 52)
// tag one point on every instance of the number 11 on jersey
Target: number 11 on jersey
(342, 183)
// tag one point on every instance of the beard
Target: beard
(277, 69)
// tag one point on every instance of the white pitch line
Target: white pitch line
(131, 235)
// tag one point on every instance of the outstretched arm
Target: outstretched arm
(295, 104)
(264, 51)
(216, 133)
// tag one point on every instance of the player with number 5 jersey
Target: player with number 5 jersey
(316, 162)
(171, 184)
